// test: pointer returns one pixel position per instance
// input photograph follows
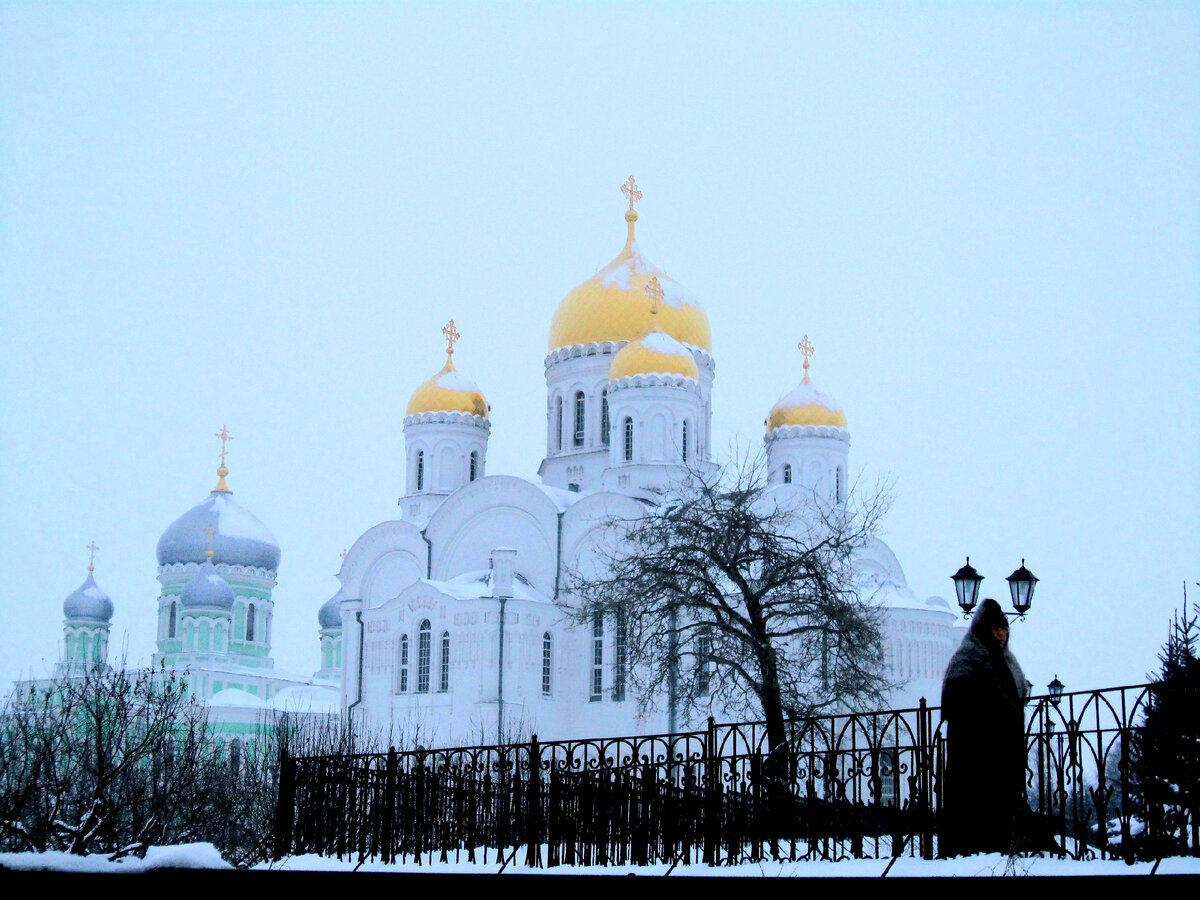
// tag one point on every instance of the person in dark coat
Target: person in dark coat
(983, 699)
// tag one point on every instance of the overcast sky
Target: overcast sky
(986, 217)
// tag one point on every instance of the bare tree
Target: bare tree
(738, 595)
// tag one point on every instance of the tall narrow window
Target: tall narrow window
(402, 685)
(579, 415)
(474, 464)
(547, 662)
(604, 417)
(685, 440)
(703, 662)
(839, 484)
(420, 470)
(423, 649)
(444, 664)
(597, 657)
(629, 440)
(171, 621)
(558, 416)
(787, 473)
(620, 657)
(250, 622)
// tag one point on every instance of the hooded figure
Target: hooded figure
(983, 699)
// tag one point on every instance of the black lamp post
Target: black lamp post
(1020, 585)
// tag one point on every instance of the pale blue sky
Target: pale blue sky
(986, 217)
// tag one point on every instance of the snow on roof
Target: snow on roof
(664, 343)
(236, 697)
(456, 381)
(478, 584)
(308, 698)
(234, 521)
(674, 294)
(807, 395)
(562, 499)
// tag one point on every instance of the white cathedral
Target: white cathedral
(454, 620)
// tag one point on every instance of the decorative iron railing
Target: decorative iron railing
(854, 785)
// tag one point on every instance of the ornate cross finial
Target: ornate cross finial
(808, 350)
(452, 336)
(344, 554)
(654, 291)
(631, 192)
(92, 548)
(212, 533)
(225, 436)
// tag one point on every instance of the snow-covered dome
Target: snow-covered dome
(612, 304)
(88, 601)
(448, 391)
(656, 353)
(806, 406)
(206, 589)
(239, 538)
(330, 613)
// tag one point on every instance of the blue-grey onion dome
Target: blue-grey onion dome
(330, 614)
(88, 602)
(207, 590)
(240, 538)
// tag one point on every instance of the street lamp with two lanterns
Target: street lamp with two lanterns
(1020, 585)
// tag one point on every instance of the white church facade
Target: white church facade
(453, 621)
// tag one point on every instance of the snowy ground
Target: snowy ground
(205, 856)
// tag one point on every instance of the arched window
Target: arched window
(420, 470)
(839, 484)
(597, 657)
(402, 685)
(474, 464)
(82, 653)
(579, 418)
(444, 667)
(547, 662)
(423, 649)
(604, 417)
(620, 657)
(171, 619)
(629, 440)
(685, 440)
(558, 416)
(787, 473)
(205, 631)
(250, 622)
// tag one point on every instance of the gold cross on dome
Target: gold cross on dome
(211, 532)
(808, 350)
(630, 190)
(344, 554)
(92, 548)
(452, 336)
(225, 436)
(655, 292)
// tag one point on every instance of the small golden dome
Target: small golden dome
(612, 304)
(806, 406)
(656, 353)
(448, 391)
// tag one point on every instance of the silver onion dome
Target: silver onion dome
(330, 614)
(238, 539)
(88, 601)
(206, 589)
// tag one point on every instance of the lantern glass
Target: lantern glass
(1056, 690)
(966, 586)
(1021, 584)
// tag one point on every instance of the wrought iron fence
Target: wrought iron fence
(854, 785)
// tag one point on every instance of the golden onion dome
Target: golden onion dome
(806, 405)
(448, 391)
(656, 353)
(612, 304)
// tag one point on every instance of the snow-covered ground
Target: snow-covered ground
(205, 856)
